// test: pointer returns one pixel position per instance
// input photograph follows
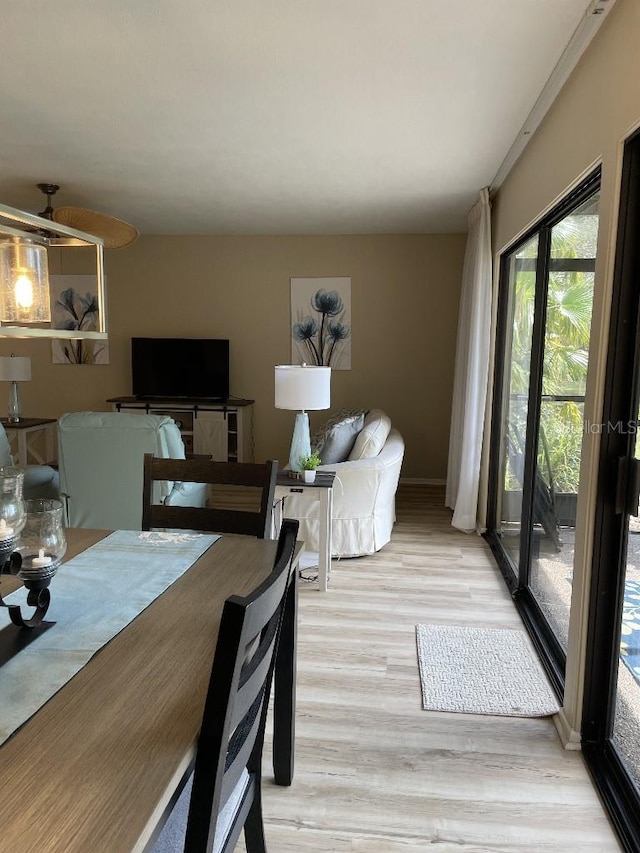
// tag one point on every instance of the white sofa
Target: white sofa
(363, 493)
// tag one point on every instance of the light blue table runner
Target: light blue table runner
(93, 597)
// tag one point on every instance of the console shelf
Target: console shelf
(220, 429)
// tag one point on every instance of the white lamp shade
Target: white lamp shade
(15, 368)
(302, 387)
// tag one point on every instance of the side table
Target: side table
(25, 435)
(321, 490)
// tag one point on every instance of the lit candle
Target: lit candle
(6, 532)
(41, 560)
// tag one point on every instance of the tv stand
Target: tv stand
(222, 429)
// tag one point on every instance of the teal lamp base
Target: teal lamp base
(301, 442)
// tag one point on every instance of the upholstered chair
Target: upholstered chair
(101, 459)
(364, 490)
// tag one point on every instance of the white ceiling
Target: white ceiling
(278, 117)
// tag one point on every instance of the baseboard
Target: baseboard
(421, 481)
(569, 737)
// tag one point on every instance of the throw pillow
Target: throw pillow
(334, 442)
(320, 435)
(370, 441)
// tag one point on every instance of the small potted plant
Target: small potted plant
(309, 464)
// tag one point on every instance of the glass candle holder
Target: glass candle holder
(12, 509)
(42, 542)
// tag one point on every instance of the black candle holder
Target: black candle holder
(36, 579)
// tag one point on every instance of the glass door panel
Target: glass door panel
(626, 726)
(542, 353)
(564, 377)
(515, 381)
(611, 712)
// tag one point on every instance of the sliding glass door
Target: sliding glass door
(545, 303)
(625, 735)
(520, 270)
(561, 411)
(611, 711)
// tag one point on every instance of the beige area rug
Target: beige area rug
(482, 671)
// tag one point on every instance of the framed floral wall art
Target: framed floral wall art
(321, 321)
(74, 305)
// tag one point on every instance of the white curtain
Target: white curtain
(471, 371)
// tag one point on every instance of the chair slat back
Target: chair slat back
(232, 733)
(240, 477)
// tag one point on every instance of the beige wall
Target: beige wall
(405, 294)
(596, 111)
(598, 107)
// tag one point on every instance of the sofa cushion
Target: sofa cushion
(334, 441)
(371, 438)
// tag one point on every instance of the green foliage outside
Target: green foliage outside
(566, 351)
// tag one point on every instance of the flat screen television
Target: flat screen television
(167, 368)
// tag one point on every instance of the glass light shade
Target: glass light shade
(12, 508)
(24, 282)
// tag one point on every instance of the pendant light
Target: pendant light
(24, 282)
(25, 301)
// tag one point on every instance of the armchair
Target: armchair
(101, 459)
(40, 481)
(364, 491)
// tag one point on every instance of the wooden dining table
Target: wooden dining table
(98, 766)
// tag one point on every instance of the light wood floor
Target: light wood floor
(376, 773)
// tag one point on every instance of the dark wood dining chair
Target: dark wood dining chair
(223, 795)
(241, 495)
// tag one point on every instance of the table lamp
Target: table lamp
(302, 387)
(14, 369)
